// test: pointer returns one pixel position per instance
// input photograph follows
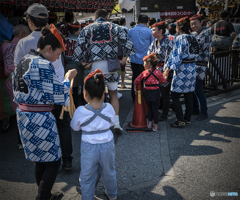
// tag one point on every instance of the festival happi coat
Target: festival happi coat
(104, 45)
(34, 83)
(182, 62)
(163, 51)
(204, 40)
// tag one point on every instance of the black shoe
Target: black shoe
(163, 118)
(56, 196)
(202, 117)
(178, 124)
(67, 166)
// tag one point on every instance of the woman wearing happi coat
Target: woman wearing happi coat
(162, 46)
(36, 89)
(183, 62)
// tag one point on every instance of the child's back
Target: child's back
(97, 145)
(83, 114)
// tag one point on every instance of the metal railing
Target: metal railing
(223, 70)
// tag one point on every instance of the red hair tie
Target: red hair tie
(158, 24)
(149, 56)
(197, 16)
(58, 36)
(92, 74)
(74, 26)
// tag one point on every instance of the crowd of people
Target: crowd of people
(44, 62)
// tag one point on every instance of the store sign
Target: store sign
(144, 8)
(175, 14)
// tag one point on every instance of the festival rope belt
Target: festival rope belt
(71, 108)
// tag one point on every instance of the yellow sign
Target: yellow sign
(116, 9)
(139, 97)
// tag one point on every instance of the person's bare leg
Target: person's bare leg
(114, 100)
(122, 79)
(115, 104)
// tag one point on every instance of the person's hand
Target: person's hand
(88, 66)
(135, 89)
(71, 74)
(165, 74)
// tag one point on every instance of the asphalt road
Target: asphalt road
(170, 164)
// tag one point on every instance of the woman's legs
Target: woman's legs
(75, 96)
(45, 174)
(177, 106)
(165, 100)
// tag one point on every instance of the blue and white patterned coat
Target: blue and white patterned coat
(204, 40)
(184, 77)
(35, 82)
(163, 51)
(102, 39)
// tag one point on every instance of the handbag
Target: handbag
(113, 64)
(221, 42)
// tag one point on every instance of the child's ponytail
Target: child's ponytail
(153, 61)
(98, 78)
(95, 86)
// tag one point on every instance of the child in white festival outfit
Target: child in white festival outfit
(97, 145)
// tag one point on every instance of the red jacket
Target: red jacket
(151, 80)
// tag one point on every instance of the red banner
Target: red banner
(175, 14)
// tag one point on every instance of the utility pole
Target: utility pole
(134, 13)
(137, 10)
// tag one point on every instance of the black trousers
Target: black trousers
(165, 100)
(64, 132)
(45, 174)
(152, 98)
(75, 96)
(178, 106)
(136, 69)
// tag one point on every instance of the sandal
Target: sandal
(148, 125)
(178, 124)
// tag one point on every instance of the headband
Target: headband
(74, 26)
(93, 74)
(197, 16)
(182, 19)
(149, 56)
(58, 36)
(158, 24)
(84, 25)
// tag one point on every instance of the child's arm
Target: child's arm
(75, 123)
(137, 81)
(111, 114)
